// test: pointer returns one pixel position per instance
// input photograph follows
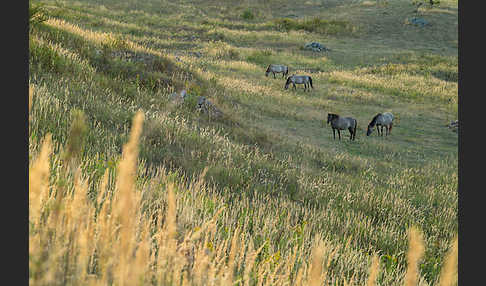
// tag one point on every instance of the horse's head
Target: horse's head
(287, 83)
(330, 117)
(372, 124)
(370, 129)
(267, 71)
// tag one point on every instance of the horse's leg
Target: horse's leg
(273, 75)
(350, 133)
(386, 126)
(339, 133)
(334, 133)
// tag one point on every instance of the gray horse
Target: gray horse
(299, 79)
(381, 120)
(342, 123)
(272, 68)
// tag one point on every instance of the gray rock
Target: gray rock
(178, 98)
(183, 93)
(206, 106)
(418, 21)
(454, 126)
(316, 47)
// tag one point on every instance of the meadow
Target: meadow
(128, 188)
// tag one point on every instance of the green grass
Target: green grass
(270, 142)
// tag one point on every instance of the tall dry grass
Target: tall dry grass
(448, 275)
(135, 232)
(415, 253)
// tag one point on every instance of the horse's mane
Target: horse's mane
(373, 121)
(288, 80)
(334, 115)
(268, 68)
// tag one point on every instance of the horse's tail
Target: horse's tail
(310, 81)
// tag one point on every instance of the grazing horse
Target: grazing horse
(342, 123)
(299, 79)
(277, 69)
(381, 120)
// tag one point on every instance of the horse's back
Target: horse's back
(278, 67)
(300, 78)
(344, 122)
(388, 115)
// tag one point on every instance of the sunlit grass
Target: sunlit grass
(191, 203)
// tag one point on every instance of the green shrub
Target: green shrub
(248, 15)
(260, 57)
(43, 55)
(37, 14)
(77, 135)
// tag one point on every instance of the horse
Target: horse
(342, 123)
(299, 79)
(277, 69)
(381, 120)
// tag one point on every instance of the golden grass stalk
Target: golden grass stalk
(31, 96)
(171, 224)
(39, 178)
(142, 258)
(374, 269)
(415, 253)
(316, 269)
(126, 203)
(232, 255)
(300, 275)
(448, 274)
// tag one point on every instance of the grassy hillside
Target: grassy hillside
(285, 186)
